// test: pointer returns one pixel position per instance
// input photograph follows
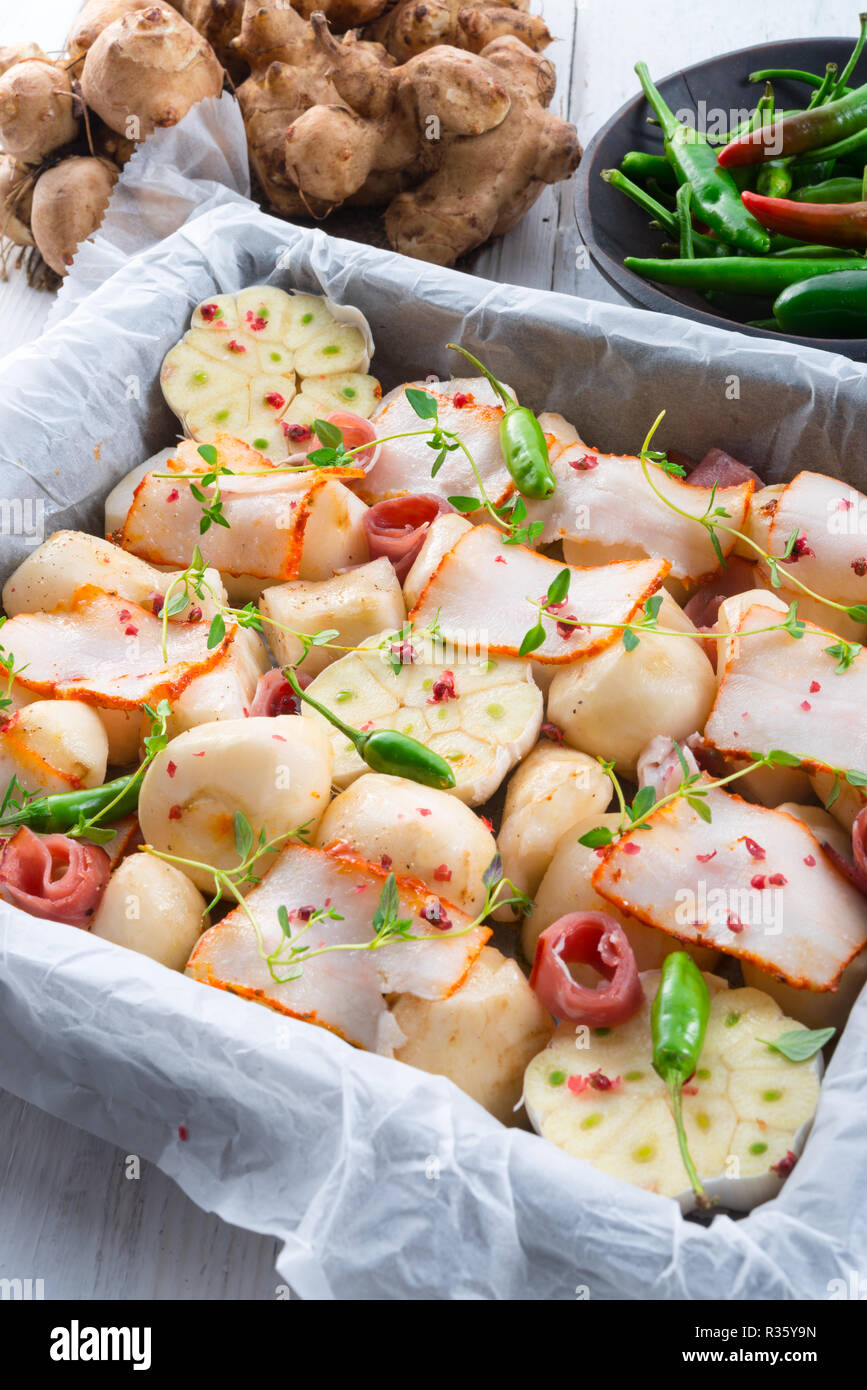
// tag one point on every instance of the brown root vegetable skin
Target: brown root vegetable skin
(218, 21)
(468, 189)
(13, 53)
(409, 27)
(146, 70)
(16, 201)
(95, 16)
(69, 202)
(36, 110)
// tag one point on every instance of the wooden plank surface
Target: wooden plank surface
(68, 1212)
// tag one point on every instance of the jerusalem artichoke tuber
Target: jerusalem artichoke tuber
(413, 26)
(36, 109)
(69, 202)
(146, 70)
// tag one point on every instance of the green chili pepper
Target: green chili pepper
(522, 439)
(742, 274)
(684, 221)
(668, 220)
(56, 814)
(825, 306)
(715, 197)
(774, 180)
(678, 1021)
(825, 88)
(639, 165)
(829, 191)
(810, 79)
(841, 89)
(386, 750)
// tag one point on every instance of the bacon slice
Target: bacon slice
(480, 590)
(107, 651)
(587, 938)
(54, 876)
(342, 991)
(604, 501)
(397, 527)
(779, 692)
(467, 408)
(827, 519)
(754, 883)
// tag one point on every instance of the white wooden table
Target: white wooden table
(68, 1213)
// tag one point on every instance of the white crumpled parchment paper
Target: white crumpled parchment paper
(381, 1181)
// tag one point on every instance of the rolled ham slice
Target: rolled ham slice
(719, 467)
(342, 991)
(397, 528)
(54, 876)
(107, 651)
(274, 695)
(603, 502)
(828, 518)
(859, 849)
(356, 431)
(702, 608)
(778, 692)
(587, 938)
(480, 590)
(753, 883)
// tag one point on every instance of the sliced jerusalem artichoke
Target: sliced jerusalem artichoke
(415, 830)
(481, 716)
(554, 789)
(53, 746)
(357, 603)
(69, 203)
(747, 1110)
(263, 365)
(481, 1037)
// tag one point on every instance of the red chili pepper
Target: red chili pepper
(828, 224)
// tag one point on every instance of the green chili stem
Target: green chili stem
(508, 401)
(840, 87)
(675, 1083)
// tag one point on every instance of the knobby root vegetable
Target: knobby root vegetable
(416, 118)
(151, 907)
(95, 16)
(747, 1110)
(263, 364)
(37, 112)
(16, 202)
(218, 21)
(410, 28)
(290, 74)
(146, 70)
(482, 1037)
(69, 202)
(13, 53)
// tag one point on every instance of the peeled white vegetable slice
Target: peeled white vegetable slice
(746, 1110)
(613, 702)
(275, 771)
(107, 651)
(243, 363)
(827, 517)
(53, 746)
(482, 1037)
(606, 510)
(482, 591)
(151, 907)
(404, 465)
(358, 604)
(422, 831)
(342, 991)
(752, 882)
(554, 789)
(69, 560)
(482, 730)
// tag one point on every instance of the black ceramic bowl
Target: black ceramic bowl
(611, 224)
